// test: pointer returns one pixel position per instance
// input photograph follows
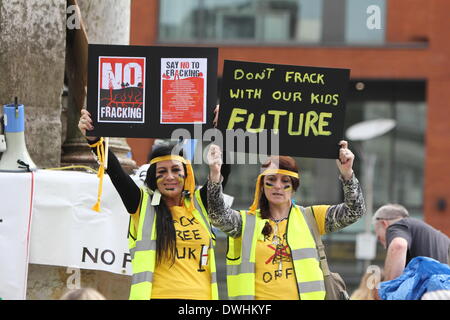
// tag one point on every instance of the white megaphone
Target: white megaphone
(15, 156)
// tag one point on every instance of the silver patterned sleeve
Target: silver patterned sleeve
(351, 210)
(222, 216)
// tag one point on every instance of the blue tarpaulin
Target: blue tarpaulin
(421, 275)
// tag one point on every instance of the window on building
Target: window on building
(400, 152)
(365, 21)
(273, 21)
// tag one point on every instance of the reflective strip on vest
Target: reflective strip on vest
(141, 281)
(305, 253)
(311, 286)
(205, 222)
(307, 261)
(243, 298)
(148, 223)
(212, 260)
(240, 290)
(201, 212)
(248, 238)
(145, 276)
(247, 267)
(143, 245)
(207, 225)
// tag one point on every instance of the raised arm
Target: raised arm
(221, 216)
(351, 210)
(128, 190)
(353, 207)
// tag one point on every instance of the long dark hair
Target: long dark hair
(285, 163)
(165, 229)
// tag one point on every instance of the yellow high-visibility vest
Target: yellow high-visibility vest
(143, 248)
(241, 257)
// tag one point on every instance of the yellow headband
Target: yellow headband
(268, 172)
(189, 183)
(170, 157)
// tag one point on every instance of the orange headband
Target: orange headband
(268, 172)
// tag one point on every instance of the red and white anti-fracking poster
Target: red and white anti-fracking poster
(183, 90)
(121, 89)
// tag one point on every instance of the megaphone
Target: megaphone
(15, 156)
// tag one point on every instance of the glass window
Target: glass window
(409, 155)
(176, 19)
(400, 152)
(234, 20)
(365, 21)
(310, 21)
(273, 21)
(398, 174)
(257, 20)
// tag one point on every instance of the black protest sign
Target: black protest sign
(304, 107)
(148, 92)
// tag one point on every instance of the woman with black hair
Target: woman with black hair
(170, 238)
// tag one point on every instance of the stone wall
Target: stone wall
(32, 54)
(51, 282)
(106, 22)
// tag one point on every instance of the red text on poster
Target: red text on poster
(183, 90)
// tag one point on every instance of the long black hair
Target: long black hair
(165, 229)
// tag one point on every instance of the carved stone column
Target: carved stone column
(32, 52)
(106, 22)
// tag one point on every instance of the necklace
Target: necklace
(278, 220)
(278, 243)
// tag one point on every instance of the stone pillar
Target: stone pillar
(32, 53)
(51, 282)
(106, 22)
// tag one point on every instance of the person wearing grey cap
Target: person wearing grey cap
(406, 238)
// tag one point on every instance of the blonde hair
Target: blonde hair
(83, 294)
(367, 289)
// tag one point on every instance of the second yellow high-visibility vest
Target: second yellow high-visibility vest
(143, 248)
(241, 257)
